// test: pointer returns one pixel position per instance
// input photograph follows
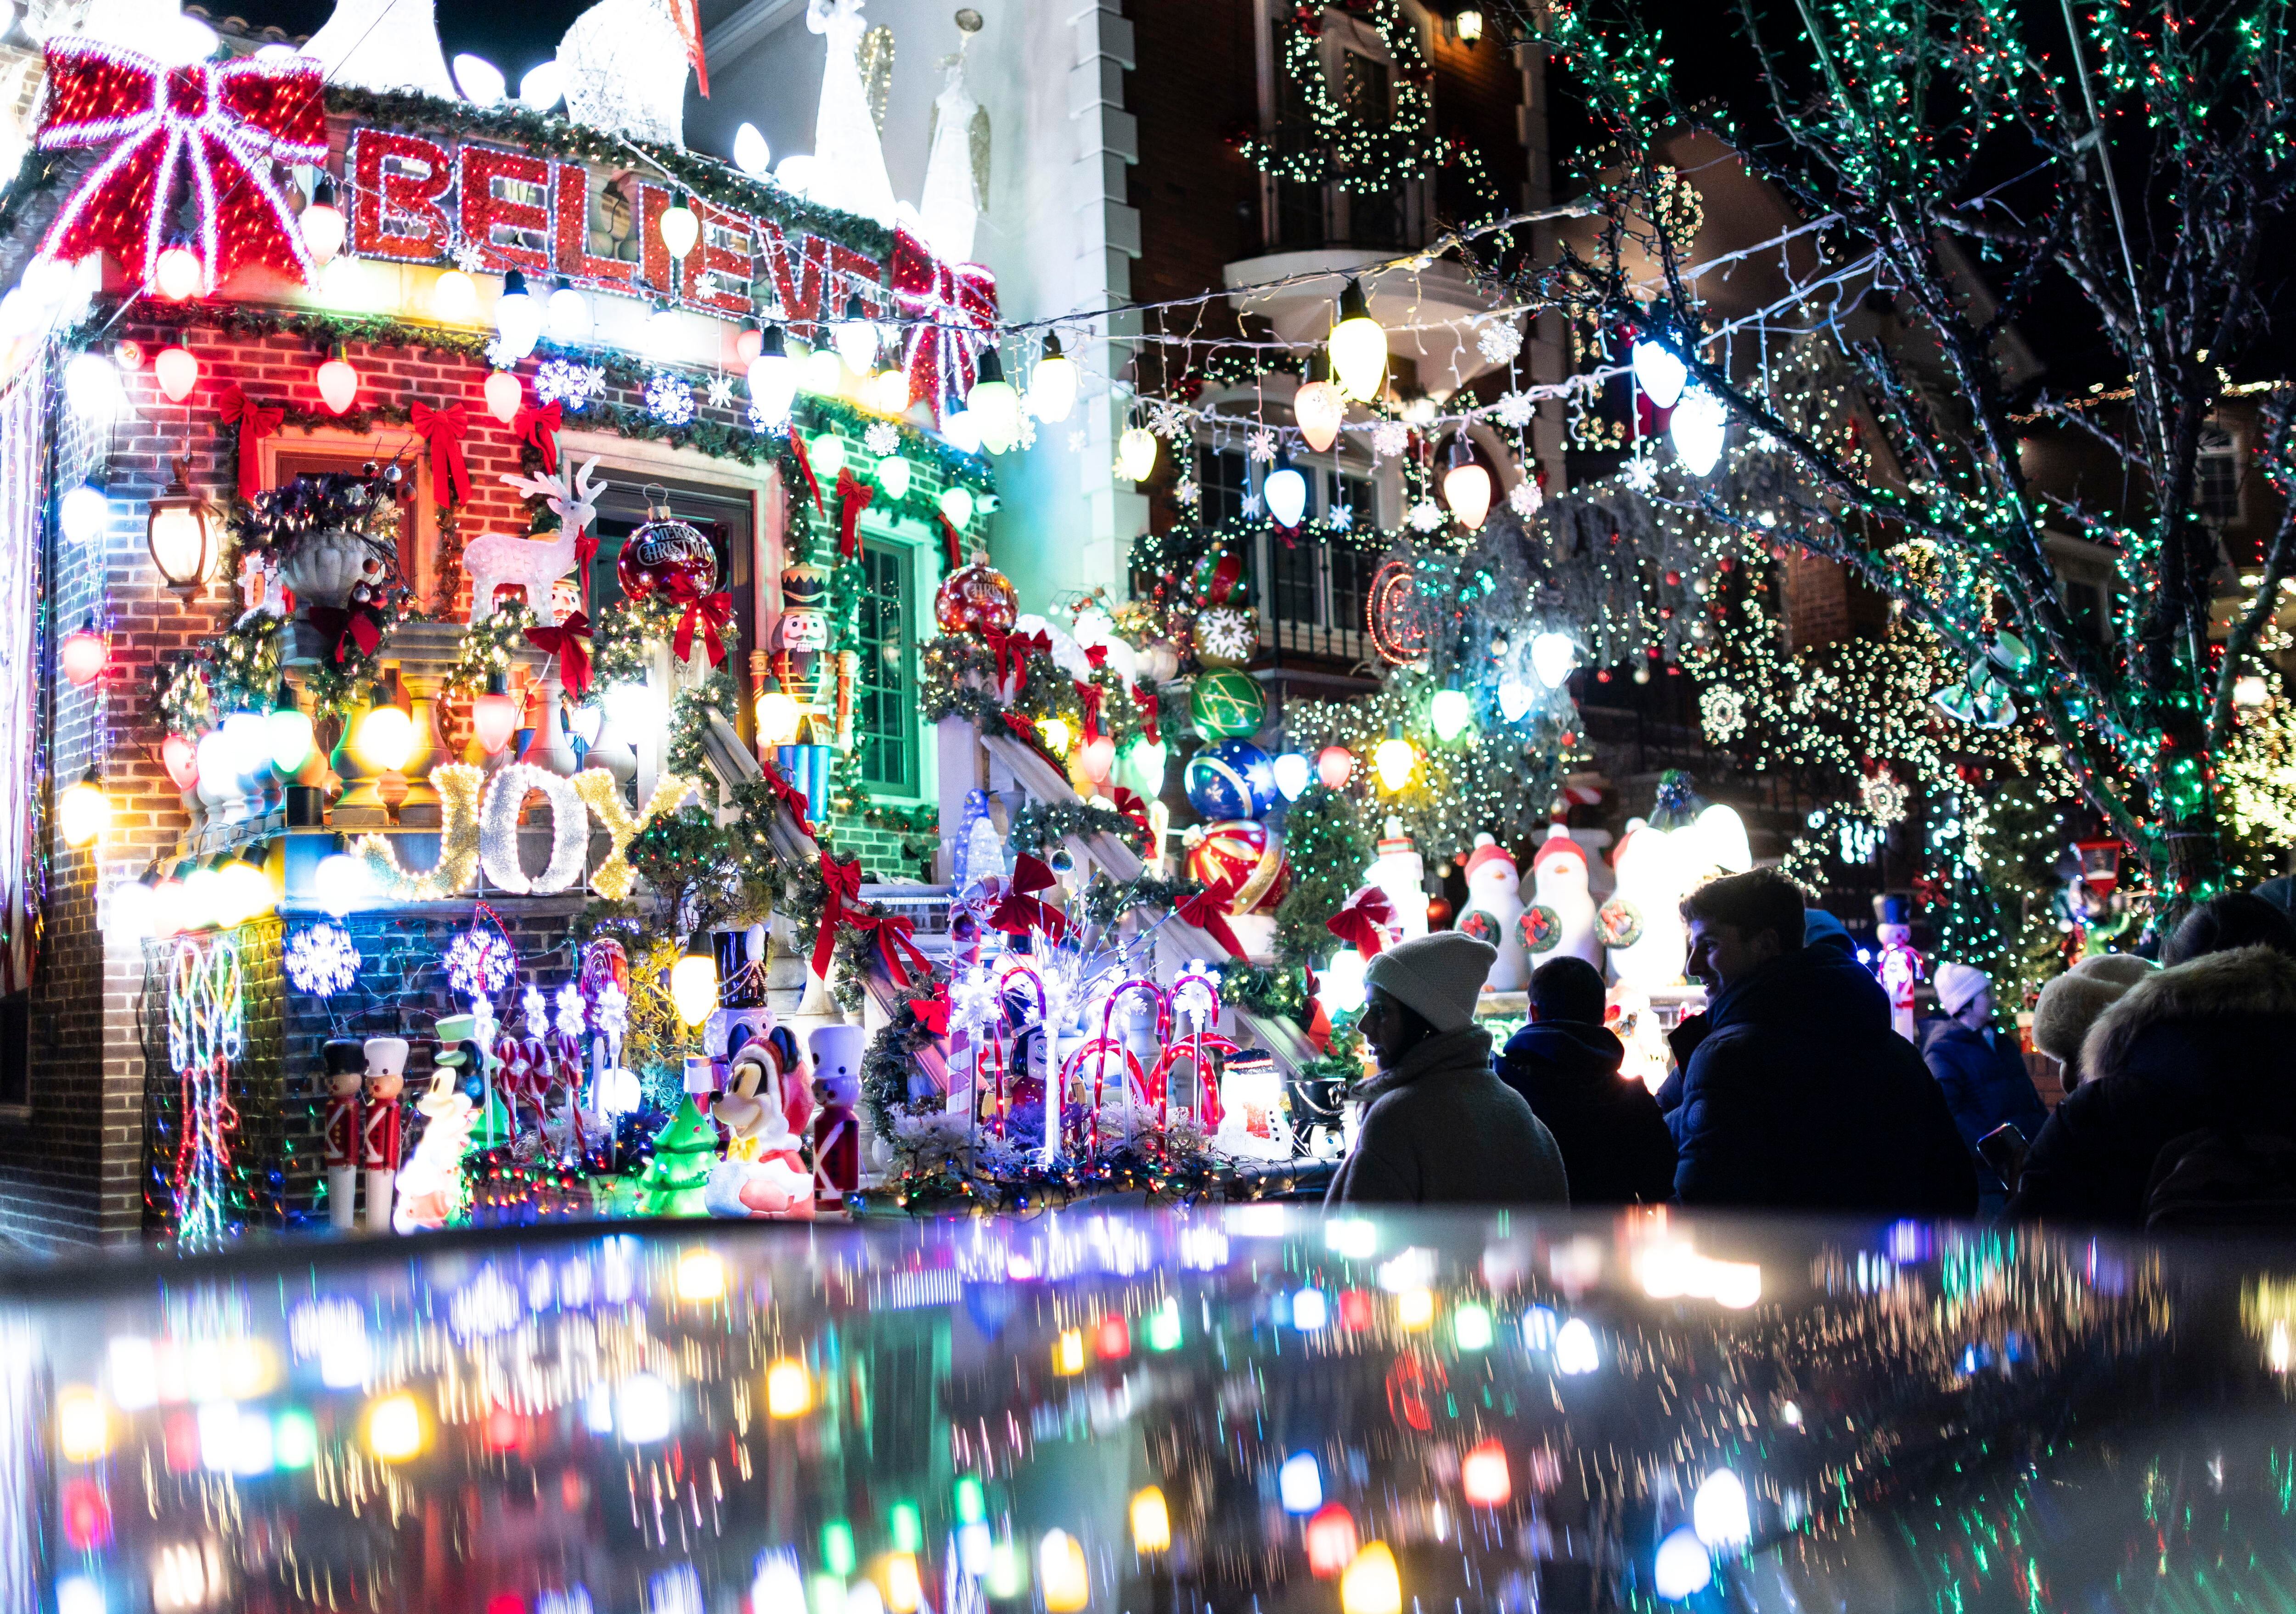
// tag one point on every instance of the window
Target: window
(16, 1049)
(885, 693)
(723, 516)
(1359, 76)
(2216, 476)
(1223, 483)
(1313, 593)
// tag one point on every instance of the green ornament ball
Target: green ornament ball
(1227, 703)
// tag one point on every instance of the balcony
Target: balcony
(1429, 313)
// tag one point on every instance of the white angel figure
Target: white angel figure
(626, 62)
(383, 44)
(848, 159)
(956, 164)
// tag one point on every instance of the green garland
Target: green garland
(1277, 990)
(486, 646)
(1044, 823)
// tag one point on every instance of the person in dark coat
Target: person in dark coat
(1801, 1097)
(1819, 929)
(1980, 1071)
(2196, 1060)
(1615, 1145)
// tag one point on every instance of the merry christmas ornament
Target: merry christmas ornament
(976, 599)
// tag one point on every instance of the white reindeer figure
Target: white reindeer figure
(500, 558)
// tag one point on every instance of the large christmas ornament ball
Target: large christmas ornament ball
(1226, 704)
(1225, 636)
(976, 599)
(1230, 779)
(1220, 578)
(1245, 858)
(667, 554)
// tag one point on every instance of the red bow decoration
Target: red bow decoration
(1022, 910)
(570, 641)
(805, 468)
(1129, 803)
(790, 797)
(1358, 923)
(540, 426)
(1089, 695)
(710, 612)
(1145, 698)
(1319, 1020)
(932, 1011)
(255, 422)
(225, 124)
(1207, 910)
(359, 624)
(842, 883)
(443, 431)
(853, 496)
(895, 949)
(586, 550)
(953, 308)
(1013, 651)
(948, 536)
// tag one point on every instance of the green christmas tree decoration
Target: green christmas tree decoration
(1325, 843)
(683, 1154)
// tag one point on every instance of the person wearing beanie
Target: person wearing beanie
(1982, 1072)
(1439, 1128)
(2070, 1004)
(2185, 1114)
(1616, 1149)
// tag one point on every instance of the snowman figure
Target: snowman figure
(1494, 905)
(1642, 924)
(1560, 920)
(1401, 873)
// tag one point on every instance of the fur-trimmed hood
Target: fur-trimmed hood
(2247, 982)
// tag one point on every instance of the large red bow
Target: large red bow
(226, 124)
(895, 949)
(1088, 695)
(359, 625)
(255, 422)
(1144, 697)
(1207, 910)
(1013, 651)
(710, 612)
(1129, 803)
(841, 882)
(853, 496)
(540, 426)
(443, 431)
(805, 468)
(570, 641)
(1362, 921)
(954, 307)
(1022, 910)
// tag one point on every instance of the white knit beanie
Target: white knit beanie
(1956, 984)
(1437, 975)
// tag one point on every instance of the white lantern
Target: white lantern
(1286, 494)
(956, 507)
(479, 79)
(1467, 489)
(1319, 408)
(680, 226)
(340, 883)
(772, 378)
(518, 318)
(1292, 773)
(1658, 373)
(751, 154)
(1697, 427)
(84, 513)
(541, 87)
(1553, 656)
(454, 297)
(1358, 346)
(993, 403)
(960, 431)
(855, 338)
(1053, 384)
(1136, 453)
(568, 313)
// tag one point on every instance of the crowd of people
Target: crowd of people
(1792, 1091)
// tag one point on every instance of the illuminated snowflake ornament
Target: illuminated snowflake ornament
(321, 961)
(560, 380)
(1514, 410)
(721, 392)
(1499, 341)
(1076, 440)
(1882, 796)
(1641, 473)
(479, 963)
(763, 426)
(1389, 438)
(1027, 438)
(1342, 519)
(669, 398)
(469, 257)
(1262, 447)
(1722, 710)
(1425, 516)
(1524, 497)
(1167, 419)
(1186, 491)
(882, 437)
(570, 1016)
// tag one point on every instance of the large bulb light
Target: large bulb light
(479, 79)
(1658, 373)
(1393, 762)
(84, 653)
(1292, 771)
(454, 297)
(1053, 383)
(777, 717)
(1358, 346)
(83, 811)
(84, 513)
(1319, 408)
(1286, 494)
(751, 154)
(287, 734)
(503, 396)
(1372, 1584)
(179, 274)
(1697, 427)
(1449, 713)
(339, 384)
(681, 227)
(385, 738)
(694, 981)
(569, 315)
(773, 377)
(1553, 656)
(956, 507)
(855, 338)
(518, 318)
(1467, 489)
(993, 403)
(893, 477)
(494, 716)
(1136, 453)
(540, 87)
(178, 372)
(322, 222)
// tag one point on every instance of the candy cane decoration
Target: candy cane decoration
(1163, 1005)
(1100, 1048)
(205, 1034)
(1196, 994)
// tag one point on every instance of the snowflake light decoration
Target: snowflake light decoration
(760, 424)
(1425, 516)
(1342, 519)
(1186, 491)
(479, 963)
(1027, 438)
(469, 257)
(1722, 710)
(562, 381)
(536, 1008)
(882, 437)
(1524, 497)
(569, 1017)
(1262, 447)
(1389, 438)
(705, 285)
(1514, 410)
(1167, 419)
(1499, 341)
(1641, 473)
(322, 960)
(669, 398)
(1882, 796)
(1076, 440)
(1251, 506)
(721, 392)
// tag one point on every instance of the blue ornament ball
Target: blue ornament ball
(1230, 779)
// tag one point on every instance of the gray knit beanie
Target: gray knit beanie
(1439, 975)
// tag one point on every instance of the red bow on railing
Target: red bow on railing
(540, 426)
(1207, 910)
(1013, 651)
(359, 625)
(255, 422)
(790, 797)
(956, 308)
(710, 613)
(895, 949)
(1145, 698)
(570, 641)
(1088, 695)
(932, 1012)
(1022, 910)
(225, 126)
(1361, 922)
(443, 432)
(1129, 803)
(853, 496)
(805, 468)
(842, 883)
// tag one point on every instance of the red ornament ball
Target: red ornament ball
(1247, 859)
(1438, 913)
(976, 599)
(667, 555)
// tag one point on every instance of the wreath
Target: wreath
(1540, 929)
(1619, 923)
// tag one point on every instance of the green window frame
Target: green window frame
(885, 688)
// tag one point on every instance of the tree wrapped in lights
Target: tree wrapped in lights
(2148, 165)
(1326, 844)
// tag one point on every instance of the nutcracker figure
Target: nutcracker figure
(346, 1066)
(836, 1128)
(802, 659)
(386, 1077)
(1899, 966)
